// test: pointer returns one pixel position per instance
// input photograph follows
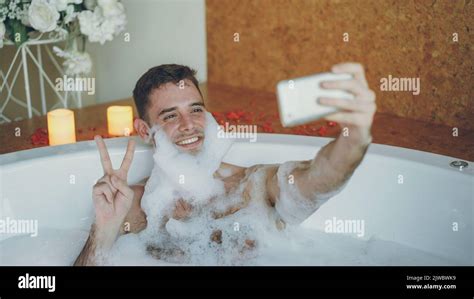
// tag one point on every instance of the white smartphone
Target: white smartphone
(298, 98)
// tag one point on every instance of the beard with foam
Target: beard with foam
(187, 176)
(192, 175)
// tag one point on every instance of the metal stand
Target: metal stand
(25, 52)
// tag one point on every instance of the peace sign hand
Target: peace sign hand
(111, 194)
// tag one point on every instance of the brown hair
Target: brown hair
(156, 77)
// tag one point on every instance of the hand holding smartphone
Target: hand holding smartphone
(298, 98)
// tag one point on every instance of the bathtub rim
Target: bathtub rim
(119, 144)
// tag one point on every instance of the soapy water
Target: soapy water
(246, 236)
(300, 247)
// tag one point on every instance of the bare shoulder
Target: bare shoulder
(233, 175)
(228, 170)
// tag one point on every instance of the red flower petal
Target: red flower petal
(267, 127)
(322, 131)
(232, 115)
(216, 114)
(298, 131)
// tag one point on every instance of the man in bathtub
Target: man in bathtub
(172, 114)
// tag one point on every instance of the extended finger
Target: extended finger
(104, 155)
(353, 68)
(347, 104)
(352, 86)
(368, 96)
(353, 118)
(122, 187)
(127, 160)
(106, 179)
(103, 188)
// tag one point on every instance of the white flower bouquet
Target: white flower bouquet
(94, 20)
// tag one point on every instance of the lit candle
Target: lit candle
(61, 128)
(120, 120)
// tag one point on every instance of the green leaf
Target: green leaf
(18, 32)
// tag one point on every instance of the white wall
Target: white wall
(161, 31)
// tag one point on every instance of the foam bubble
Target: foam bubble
(296, 246)
(293, 207)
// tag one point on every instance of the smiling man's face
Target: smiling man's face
(179, 110)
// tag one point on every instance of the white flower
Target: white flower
(91, 25)
(60, 5)
(2, 30)
(61, 32)
(75, 63)
(43, 16)
(111, 8)
(12, 11)
(3, 13)
(2, 33)
(24, 16)
(90, 4)
(100, 28)
(79, 63)
(70, 14)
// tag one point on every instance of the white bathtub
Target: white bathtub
(431, 211)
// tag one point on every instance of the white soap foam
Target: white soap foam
(191, 175)
(298, 247)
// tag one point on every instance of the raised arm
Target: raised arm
(298, 189)
(112, 201)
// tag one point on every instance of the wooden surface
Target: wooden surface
(282, 39)
(244, 106)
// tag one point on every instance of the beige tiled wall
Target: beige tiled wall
(279, 39)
